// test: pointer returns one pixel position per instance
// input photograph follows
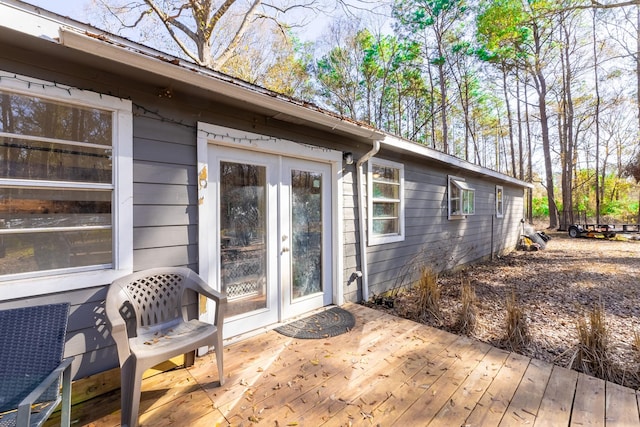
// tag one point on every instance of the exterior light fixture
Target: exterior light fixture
(348, 157)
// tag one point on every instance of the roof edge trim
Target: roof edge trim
(394, 142)
(204, 79)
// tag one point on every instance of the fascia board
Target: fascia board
(198, 77)
(397, 144)
(17, 19)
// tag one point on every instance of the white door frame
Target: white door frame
(291, 306)
(224, 136)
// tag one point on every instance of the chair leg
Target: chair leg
(219, 352)
(131, 384)
(65, 417)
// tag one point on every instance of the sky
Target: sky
(76, 9)
(71, 8)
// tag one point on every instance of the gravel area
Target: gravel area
(555, 288)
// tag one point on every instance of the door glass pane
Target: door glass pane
(243, 236)
(306, 227)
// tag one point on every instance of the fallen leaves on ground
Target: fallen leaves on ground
(555, 288)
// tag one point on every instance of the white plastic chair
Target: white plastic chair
(148, 320)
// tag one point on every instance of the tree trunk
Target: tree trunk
(443, 108)
(529, 154)
(432, 107)
(519, 114)
(541, 88)
(638, 69)
(509, 119)
(597, 113)
(566, 150)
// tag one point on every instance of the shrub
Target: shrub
(540, 207)
(592, 354)
(466, 322)
(429, 295)
(517, 336)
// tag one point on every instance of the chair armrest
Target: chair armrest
(24, 408)
(220, 298)
(211, 293)
(118, 328)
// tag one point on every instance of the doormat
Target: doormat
(328, 323)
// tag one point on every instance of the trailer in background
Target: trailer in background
(577, 224)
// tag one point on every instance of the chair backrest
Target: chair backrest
(154, 297)
(31, 346)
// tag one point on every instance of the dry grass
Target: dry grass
(428, 295)
(517, 335)
(636, 344)
(592, 351)
(466, 323)
(555, 288)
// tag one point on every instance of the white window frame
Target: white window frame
(463, 187)
(379, 239)
(40, 283)
(499, 201)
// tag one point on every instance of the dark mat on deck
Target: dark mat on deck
(328, 323)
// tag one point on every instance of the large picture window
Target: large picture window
(62, 151)
(386, 201)
(461, 198)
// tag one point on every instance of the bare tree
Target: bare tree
(209, 32)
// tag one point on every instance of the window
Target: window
(62, 151)
(461, 198)
(499, 202)
(386, 202)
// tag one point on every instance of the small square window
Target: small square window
(461, 198)
(499, 201)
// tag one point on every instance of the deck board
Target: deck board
(495, 401)
(402, 398)
(467, 396)
(523, 408)
(385, 371)
(621, 406)
(439, 393)
(589, 402)
(558, 398)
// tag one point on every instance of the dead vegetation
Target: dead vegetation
(591, 354)
(466, 323)
(574, 304)
(517, 331)
(429, 296)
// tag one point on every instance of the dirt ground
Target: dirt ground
(555, 288)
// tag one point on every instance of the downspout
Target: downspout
(361, 205)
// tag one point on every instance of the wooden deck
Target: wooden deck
(386, 371)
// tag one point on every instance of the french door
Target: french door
(272, 237)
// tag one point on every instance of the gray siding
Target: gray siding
(87, 336)
(431, 239)
(166, 207)
(351, 235)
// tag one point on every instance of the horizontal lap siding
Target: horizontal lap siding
(434, 241)
(165, 195)
(350, 233)
(88, 339)
(165, 201)
(164, 234)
